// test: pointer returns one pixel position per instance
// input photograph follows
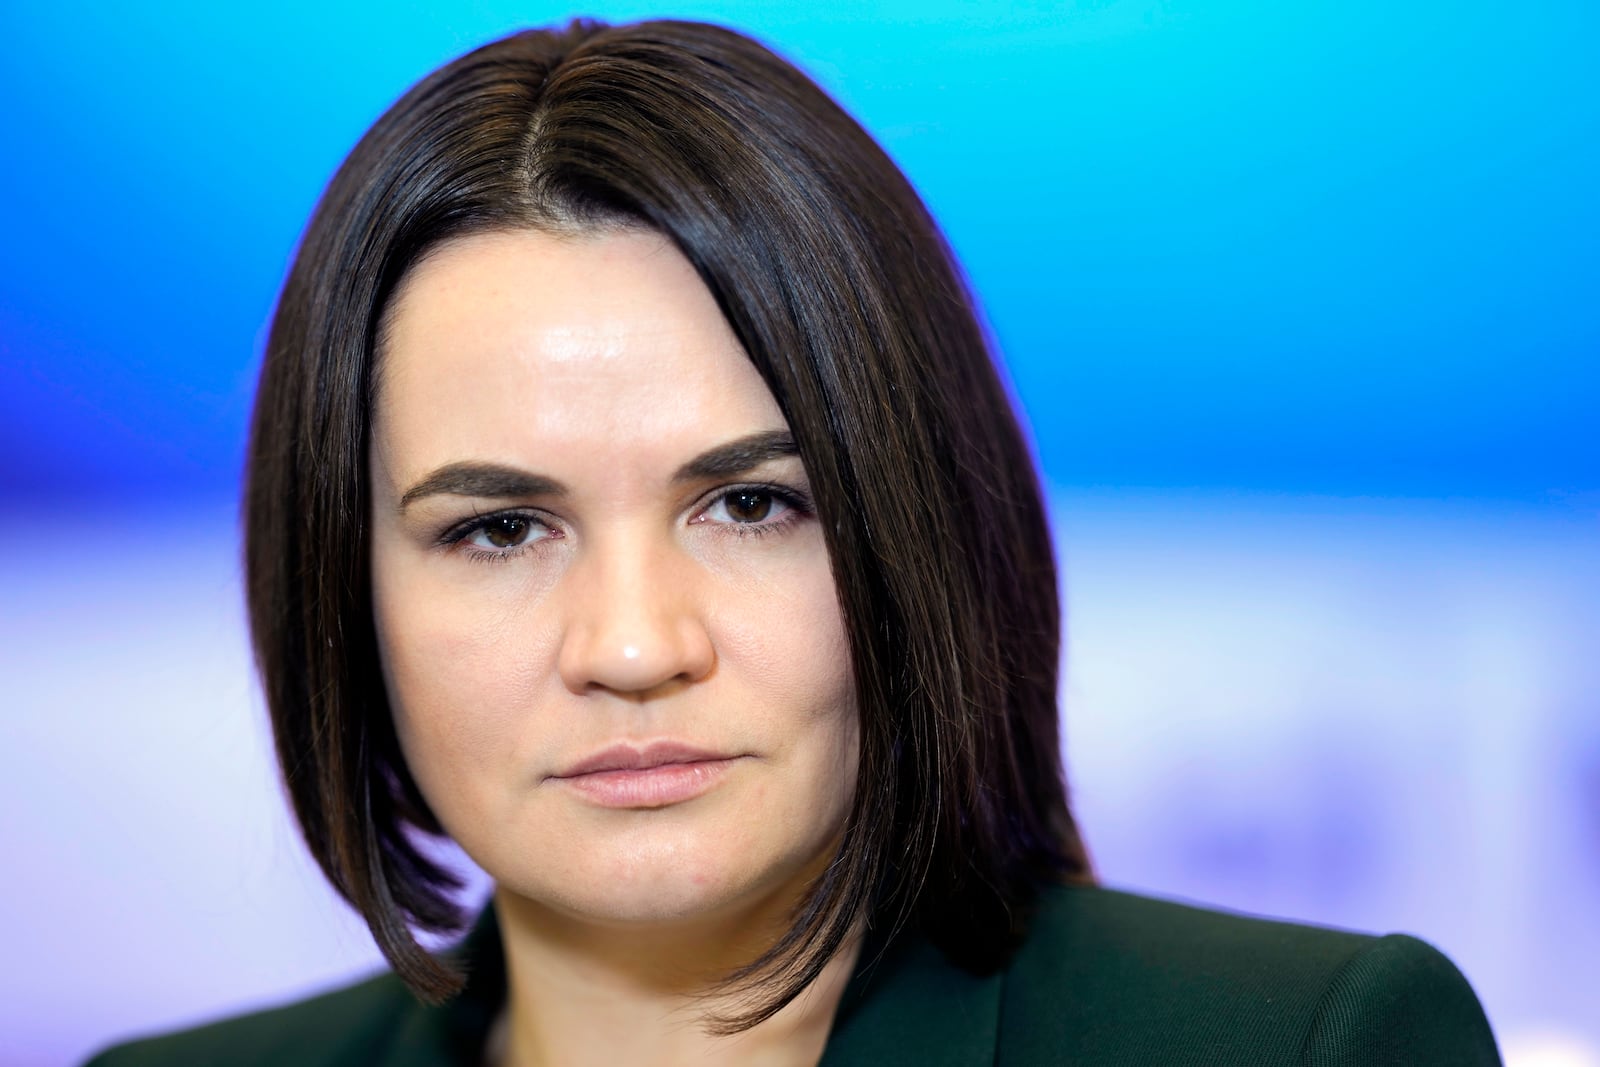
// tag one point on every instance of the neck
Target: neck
(585, 993)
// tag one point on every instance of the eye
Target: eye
(748, 506)
(500, 534)
(754, 509)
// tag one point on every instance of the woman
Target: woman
(632, 499)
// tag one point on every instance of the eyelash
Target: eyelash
(799, 507)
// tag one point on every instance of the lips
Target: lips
(628, 758)
(655, 776)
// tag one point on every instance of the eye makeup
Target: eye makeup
(505, 534)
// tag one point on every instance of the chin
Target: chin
(668, 881)
(668, 904)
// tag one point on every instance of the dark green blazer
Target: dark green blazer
(1105, 978)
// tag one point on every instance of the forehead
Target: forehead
(524, 339)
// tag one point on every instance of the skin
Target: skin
(614, 597)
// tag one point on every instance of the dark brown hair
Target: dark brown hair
(840, 287)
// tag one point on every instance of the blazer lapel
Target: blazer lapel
(904, 1007)
(916, 1009)
(453, 1034)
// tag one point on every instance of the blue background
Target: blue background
(1299, 300)
(1340, 248)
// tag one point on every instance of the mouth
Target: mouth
(655, 776)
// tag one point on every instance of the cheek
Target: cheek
(790, 642)
(789, 638)
(460, 680)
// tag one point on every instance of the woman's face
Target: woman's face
(609, 631)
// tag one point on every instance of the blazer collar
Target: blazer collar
(905, 1006)
(908, 1006)
(454, 1034)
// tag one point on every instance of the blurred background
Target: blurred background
(1300, 301)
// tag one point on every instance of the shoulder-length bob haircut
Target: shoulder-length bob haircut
(842, 291)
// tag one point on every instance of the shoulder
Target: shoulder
(355, 1024)
(1114, 977)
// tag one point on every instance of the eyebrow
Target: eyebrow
(481, 479)
(737, 456)
(496, 480)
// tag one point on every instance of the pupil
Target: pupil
(506, 533)
(749, 507)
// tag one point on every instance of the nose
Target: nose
(634, 622)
